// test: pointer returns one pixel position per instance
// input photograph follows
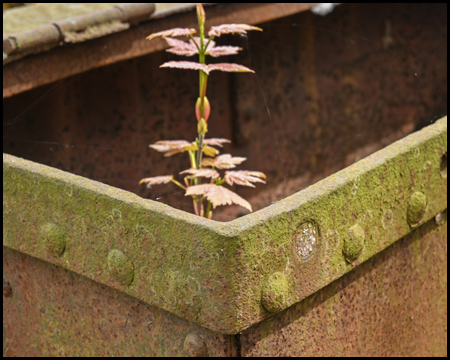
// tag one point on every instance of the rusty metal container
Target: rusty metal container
(347, 251)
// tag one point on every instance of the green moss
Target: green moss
(416, 207)
(120, 267)
(274, 293)
(354, 243)
(54, 238)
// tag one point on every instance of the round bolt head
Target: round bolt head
(416, 208)
(54, 239)
(353, 243)
(305, 239)
(275, 292)
(194, 346)
(120, 267)
(441, 218)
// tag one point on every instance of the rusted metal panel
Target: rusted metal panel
(395, 304)
(55, 312)
(44, 68)
(176, 261)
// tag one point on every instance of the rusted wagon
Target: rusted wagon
(347, 253)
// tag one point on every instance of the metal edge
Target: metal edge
(295, 247)
(225, 276)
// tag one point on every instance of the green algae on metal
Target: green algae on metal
(120, 266)
(354, 242)
(274, 292)
(214, 273)
(54, 238)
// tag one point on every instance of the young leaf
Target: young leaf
(217, 195)
(172, 32)
(210, 151)
(244, 177)
(206, 68)
(165, 179)
(231, 29)
(217, 51)
(225, 161)
(229, 67)
(180, 47)
(209, 173)
(216, 141)
(201, 16)
(186, 65)
(171, 147)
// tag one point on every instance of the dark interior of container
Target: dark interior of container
(328, 91)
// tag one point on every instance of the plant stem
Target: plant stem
(208, 210)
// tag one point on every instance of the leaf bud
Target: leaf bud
(202, 127)
(206, 109)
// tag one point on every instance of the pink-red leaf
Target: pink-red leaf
(186, 65)
(172, 32)
(231, 29)
(244, 177)
(180, 47)
(206, 68)
(216, 141)
(225, 161)
(217, 51)
(209, 173)
(171, 147)
(156, 180)
(217, 195)
(229, 67)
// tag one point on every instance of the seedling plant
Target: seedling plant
(205, 161)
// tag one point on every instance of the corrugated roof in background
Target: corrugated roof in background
(28, 30)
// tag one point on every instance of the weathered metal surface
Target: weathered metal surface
(55, 312)
(44, 68)
(395, 304)
(213, 273)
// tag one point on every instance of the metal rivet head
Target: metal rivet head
(441, 218)
(194, 346)
(120, 267)
(306, 238)
(274, 292)
(416, 208)
(353, 243)
(54, 238)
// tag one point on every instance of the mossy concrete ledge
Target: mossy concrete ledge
(226, 276)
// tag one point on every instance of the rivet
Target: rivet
(274, 292)
(54, 239)
(7, 290)
(120, 267)
(194, 346)
(441, 218)
(416, 208)
(306, 238)
(353, 243)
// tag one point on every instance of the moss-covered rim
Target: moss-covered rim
(214, 273)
